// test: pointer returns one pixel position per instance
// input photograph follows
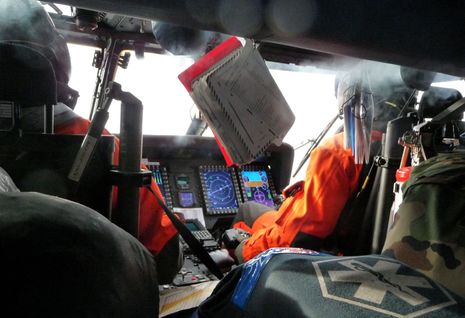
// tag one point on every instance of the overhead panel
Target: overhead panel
(420, 33)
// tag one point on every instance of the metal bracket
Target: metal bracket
(384, 162)
(138, 179)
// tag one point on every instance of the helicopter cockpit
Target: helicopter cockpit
(132, 52)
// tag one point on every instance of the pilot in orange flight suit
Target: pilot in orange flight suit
(156, 231)
(311, 214)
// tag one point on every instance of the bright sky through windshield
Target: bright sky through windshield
(168, 106)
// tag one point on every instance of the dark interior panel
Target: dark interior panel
(419, 33)
(42, 162)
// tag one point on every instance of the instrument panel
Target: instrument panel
(160, 176)
(192, 176)
(221, 190)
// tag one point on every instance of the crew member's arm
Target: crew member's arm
(311, 214)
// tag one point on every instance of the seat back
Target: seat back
(437, 99)
(60, 258)
(26, 77)
(41, 162)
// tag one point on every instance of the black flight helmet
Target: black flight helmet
(27, 23)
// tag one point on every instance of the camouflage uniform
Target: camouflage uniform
(429, 230)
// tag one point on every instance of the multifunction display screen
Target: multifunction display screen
(186, 199)
(256, 187)
(220, 190)
(160, 176)
(183, 182)
(159, 180)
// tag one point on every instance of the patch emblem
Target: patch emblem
(380, 284)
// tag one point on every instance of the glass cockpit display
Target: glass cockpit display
(160, 176)
(256, 187)
(220, 190)
(159, 180)
(216, 189)
(186, 199)
(183, 182)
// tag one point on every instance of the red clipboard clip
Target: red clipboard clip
(207, 61)
(203, 65)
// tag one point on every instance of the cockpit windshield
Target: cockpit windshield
(168, 108)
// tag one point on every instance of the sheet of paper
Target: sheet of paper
(191, 213)
(181, 298)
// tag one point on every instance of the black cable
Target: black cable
(193, 243)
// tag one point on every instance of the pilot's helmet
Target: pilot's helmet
(392, 102)
(26, 22)
(390, 96)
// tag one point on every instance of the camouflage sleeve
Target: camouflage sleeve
(428, 232)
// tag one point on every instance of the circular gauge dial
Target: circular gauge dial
(220, 189)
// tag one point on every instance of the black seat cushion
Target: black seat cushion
(62, 259)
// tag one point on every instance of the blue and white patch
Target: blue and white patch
(381, 285)
(253, 269)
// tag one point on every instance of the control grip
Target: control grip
(233, 237)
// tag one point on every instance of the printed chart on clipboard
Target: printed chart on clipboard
(240, 100)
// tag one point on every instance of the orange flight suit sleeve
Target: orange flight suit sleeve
(331, 178)
(155, 228)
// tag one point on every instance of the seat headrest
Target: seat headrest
(417, 79)
(437, 99)
(27, 76)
